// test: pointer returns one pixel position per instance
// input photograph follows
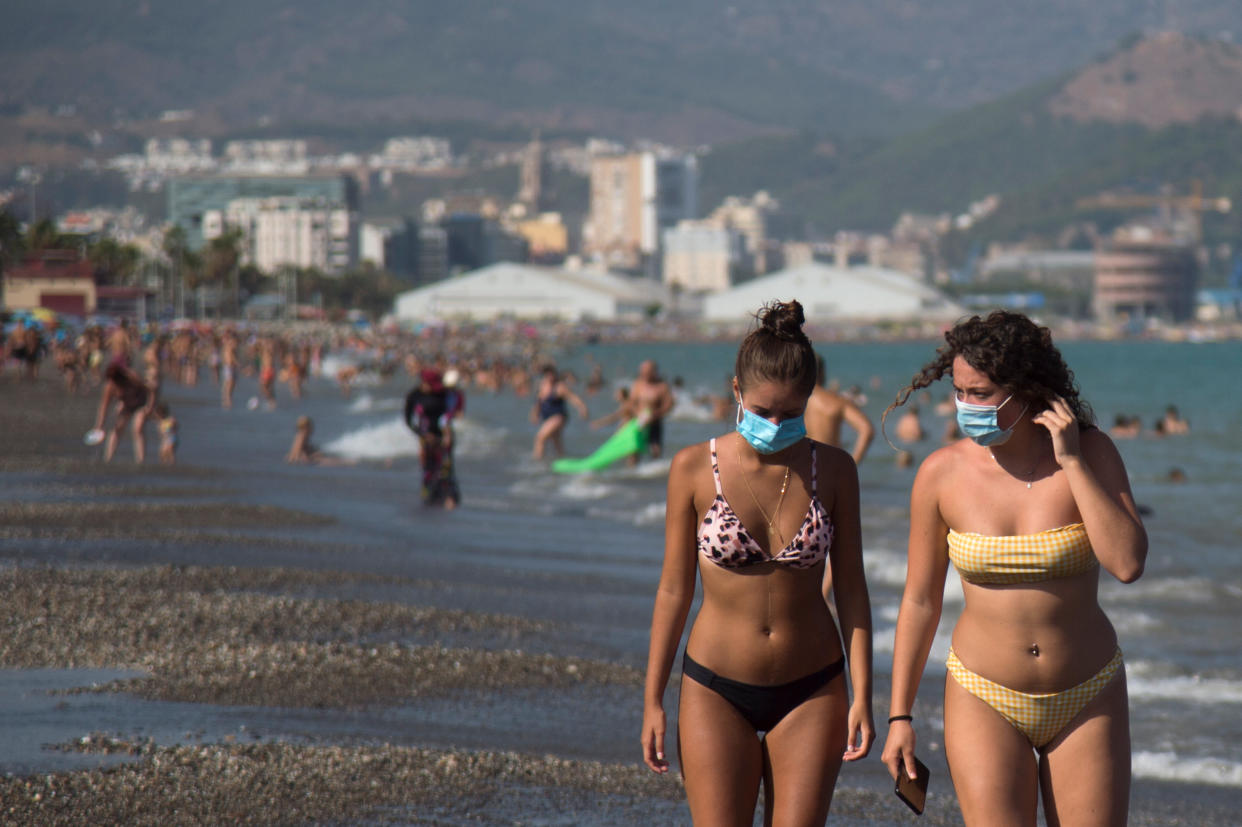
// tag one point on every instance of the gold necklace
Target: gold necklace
(771, 521)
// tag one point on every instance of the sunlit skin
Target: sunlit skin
(765, 624)
(1040, 637)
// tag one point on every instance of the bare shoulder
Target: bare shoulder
(690, 474)
(689, 462)
(942, 463)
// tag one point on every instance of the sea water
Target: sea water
(535, 537)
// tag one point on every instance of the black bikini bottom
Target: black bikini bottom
(762, 706)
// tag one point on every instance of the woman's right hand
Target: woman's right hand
(653, 739)
(898, 753)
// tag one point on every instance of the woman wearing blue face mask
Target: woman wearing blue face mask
(768, 519)
(1028, 507)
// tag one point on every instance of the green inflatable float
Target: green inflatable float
(630, 438)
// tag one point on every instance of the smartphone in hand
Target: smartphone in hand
(913, 791)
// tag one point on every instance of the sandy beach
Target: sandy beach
(217, 659)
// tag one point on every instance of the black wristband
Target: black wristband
(900, 718)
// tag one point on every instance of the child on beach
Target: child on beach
(302, 451)
(168, 434)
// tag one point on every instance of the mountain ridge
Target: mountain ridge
(694, 71)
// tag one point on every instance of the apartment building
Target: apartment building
(634, 199)
(288, 231)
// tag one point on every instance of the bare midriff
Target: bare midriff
(1037, 638)
(766, 624)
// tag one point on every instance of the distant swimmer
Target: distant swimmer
(826, 410)
(551, 411)
(1125, 427)
(909, 428)
(1173, 422)
(595, 380)
(653, 399)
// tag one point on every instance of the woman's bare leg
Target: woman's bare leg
(803, 755)
(1085, 771)
(993, 765)
(721, 759)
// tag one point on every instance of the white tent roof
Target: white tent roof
(526, 291)
(830, 293)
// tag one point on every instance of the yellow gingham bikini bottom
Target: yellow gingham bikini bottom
(1039, 717)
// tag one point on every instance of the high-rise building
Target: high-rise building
(191, 197)
(531, 192)
(285, 231)
(634, 199)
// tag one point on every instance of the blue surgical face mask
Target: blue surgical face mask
(765, 436)
(979, 422)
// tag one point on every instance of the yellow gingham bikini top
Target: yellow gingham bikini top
(1022, 558)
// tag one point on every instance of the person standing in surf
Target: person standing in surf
(551, 411)
(767, 519)
(653, 400)
(429, 413)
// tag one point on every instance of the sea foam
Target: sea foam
(1145, 680)
(1169, 766)
(392, 439)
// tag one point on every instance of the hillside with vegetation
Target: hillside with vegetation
(1023, 147)
(692, 71)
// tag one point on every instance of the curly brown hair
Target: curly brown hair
(777, 350)
(1015, 353)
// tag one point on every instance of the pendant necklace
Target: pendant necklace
(1028, 477)
(770, 520)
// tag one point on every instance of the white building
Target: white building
(701, 256)
(286, 156)
(178, 155)
(514, 290)
(830, 293)
(412, 153)
(289, 231)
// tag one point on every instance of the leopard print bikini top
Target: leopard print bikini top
(724, 540)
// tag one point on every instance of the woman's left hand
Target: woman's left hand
(1062, 425)
(861, 732)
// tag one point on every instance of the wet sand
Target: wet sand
(366, 701)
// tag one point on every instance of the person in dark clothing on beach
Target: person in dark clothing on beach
(429, 411)
(133, 402)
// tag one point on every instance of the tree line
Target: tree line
(218, 265)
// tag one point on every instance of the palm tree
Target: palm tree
(114, 262)
(184, 261)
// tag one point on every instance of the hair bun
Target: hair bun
(783, 319)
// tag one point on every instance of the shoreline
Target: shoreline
(314, 692)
